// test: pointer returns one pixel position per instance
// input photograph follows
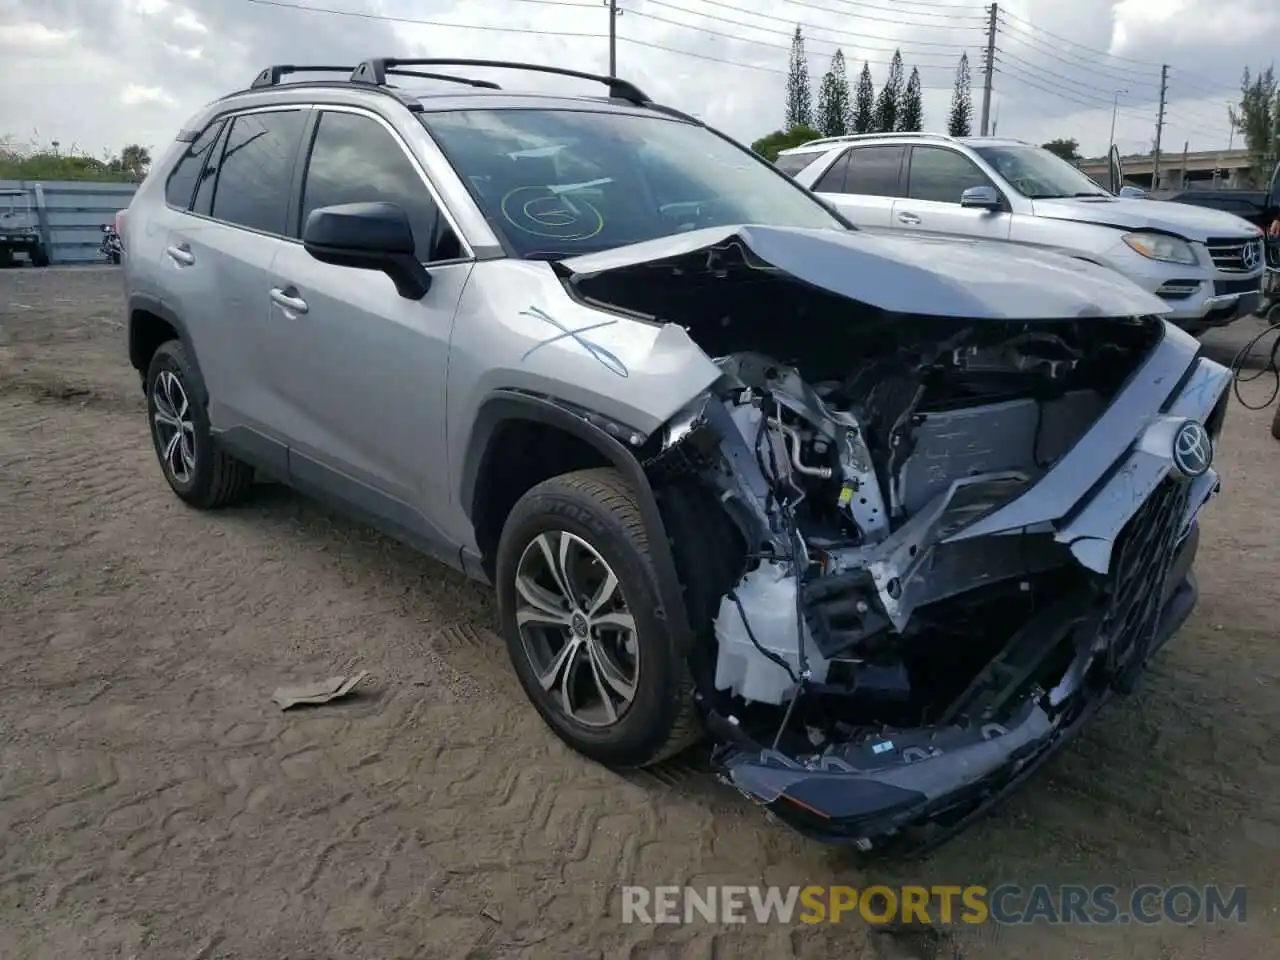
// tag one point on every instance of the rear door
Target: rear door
(219, 254)
(864, 182)
(936, 179)
(359, 371)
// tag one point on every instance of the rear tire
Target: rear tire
(39, 256)
(574, 656)
(1275, 424)
(197, 471)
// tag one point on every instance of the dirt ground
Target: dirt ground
(154, 802)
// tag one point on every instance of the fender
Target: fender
(141, 302)
(506, 405)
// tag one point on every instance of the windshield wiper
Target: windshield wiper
(1091, 193)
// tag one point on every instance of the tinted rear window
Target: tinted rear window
(794, 163)
(182, 182)
(257, 170)
(873, 171)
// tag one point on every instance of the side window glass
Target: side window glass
(182, 181)
(833, 180)
(257, 168)
(874, 171)
(355, 160)
(942, 175)
(203, 203)
(793, 163)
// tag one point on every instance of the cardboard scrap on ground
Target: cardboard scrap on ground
(320, 692)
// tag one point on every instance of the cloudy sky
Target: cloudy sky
(97, 74)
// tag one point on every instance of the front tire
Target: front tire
(578, 597)
(195, 469)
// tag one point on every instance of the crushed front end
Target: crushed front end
(919, 552)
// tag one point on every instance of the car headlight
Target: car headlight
(1157, 246)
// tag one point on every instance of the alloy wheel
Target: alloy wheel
(576, 629)
(174, 426)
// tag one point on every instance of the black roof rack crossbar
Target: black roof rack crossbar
(271, 76)
(448, 78)
(375, 72)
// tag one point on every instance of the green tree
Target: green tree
(911, 106)
(864, 104)
(134, 161)
(770, 145)
(799, 96)
(960, 122)
(1067, 148)
(833, 99)
(1258, 117)
(886, 112)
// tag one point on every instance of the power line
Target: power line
(388, 18)
(1031, 81)
(1062, 55)
(853, 38)
(895, 18)
(927, 4)
(1087, 88)
(784, 33)
(1094, 51)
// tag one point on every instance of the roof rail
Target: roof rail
(848, 138)
(271, 76)
(375, 72)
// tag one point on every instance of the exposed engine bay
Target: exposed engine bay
(844, 492)
(944, 524)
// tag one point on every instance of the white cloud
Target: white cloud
(19, 38)
(135, 95)
(105, 74)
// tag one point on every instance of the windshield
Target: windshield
(559, 183)
(1038, 174)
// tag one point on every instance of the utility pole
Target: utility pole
(613, 36)
(1155, 159)
(1182, 180)
(1115, 105)
(990, 66)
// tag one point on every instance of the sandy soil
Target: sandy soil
(155, 803)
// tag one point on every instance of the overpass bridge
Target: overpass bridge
(1201, 168)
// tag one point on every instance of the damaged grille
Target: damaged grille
(1140, 564)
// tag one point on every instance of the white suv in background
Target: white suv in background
(1207, 264)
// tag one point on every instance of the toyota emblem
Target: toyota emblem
(1192, 450)
(1251, 254)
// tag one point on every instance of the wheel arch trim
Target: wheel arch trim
(144, 303)
(504, 406)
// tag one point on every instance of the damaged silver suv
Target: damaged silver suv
(886, 517)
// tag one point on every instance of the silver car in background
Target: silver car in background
(1206, 264)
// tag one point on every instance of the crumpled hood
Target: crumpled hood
(1183, 219)
(911, 274)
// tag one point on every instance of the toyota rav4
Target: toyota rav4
(887, 518)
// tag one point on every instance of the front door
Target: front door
(936, 179)
(359, 385)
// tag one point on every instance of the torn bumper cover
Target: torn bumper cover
(962, 484)
(917, 788)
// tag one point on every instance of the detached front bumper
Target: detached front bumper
(916, 788)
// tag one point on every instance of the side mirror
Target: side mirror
(368, 236)
(1133, 193)
(982, 198)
